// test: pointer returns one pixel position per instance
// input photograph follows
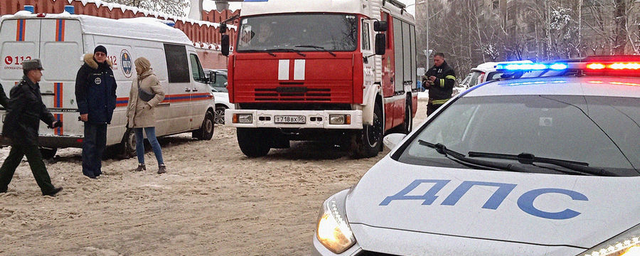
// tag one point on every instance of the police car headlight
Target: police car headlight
(333, 229)
(625, 244)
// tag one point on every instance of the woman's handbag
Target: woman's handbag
(145, 96)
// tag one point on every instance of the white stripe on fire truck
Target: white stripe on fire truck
(298, 70)
(283, 70)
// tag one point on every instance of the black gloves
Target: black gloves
(56, 124)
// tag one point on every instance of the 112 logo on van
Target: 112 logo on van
(17, 60)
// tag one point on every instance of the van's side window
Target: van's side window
(177, 63)
(196, 68)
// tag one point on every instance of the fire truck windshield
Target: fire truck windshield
(316, 32)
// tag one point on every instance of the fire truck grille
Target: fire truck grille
(293, 94)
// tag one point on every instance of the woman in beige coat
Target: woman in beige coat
(141, 113)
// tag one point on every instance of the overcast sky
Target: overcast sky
(208, 5)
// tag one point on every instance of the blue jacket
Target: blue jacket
(96, 90)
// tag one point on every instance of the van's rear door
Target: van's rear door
(20, 39)
(60, 52)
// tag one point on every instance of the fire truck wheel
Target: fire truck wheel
(48, 153)
(368, 142)
(407, 125)
(253, 142)
(206, 131)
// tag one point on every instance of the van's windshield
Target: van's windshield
(300, 32)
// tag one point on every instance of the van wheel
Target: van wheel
(206, 130)
(219, 119)
(253, 142)
(368, 142)
(48, 153)
(127, 147)
(407, 125)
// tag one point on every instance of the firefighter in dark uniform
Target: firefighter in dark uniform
(21, 126)
(439, 80)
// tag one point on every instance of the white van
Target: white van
(61, 40)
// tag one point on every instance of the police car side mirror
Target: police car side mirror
(380, 44)
(391, 141)
(224, 45)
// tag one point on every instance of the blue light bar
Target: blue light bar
(532, 66)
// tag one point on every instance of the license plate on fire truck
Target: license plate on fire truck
(290, 119)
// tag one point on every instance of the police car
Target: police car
(543, 162)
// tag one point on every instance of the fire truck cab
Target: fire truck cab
(341, 70)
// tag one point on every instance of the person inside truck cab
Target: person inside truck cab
(96, 96)
(264, 33)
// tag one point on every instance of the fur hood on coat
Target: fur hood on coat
(88, 58)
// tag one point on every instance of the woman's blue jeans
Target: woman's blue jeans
(151, 136)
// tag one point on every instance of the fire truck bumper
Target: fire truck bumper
(323, 119)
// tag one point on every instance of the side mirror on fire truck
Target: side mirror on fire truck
(224, 45)
(380, 26)
(380, 44)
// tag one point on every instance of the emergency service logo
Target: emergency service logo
(125, 61)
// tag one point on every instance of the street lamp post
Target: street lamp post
(427, 51)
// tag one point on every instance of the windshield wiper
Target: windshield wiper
(270, 53)
(530, 159)
(286, 50)
(317, 47)
(461, 158)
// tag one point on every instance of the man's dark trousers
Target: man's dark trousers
(432, 108)
(95, 141)
(34, 157)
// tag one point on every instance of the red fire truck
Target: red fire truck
(331, 70)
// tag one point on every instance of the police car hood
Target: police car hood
(531, 208)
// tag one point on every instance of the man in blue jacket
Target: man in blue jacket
(96, 96)
(21, 125)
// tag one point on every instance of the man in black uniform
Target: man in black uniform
(21, 126)
(439, 80)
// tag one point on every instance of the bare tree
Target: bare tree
(170, 7)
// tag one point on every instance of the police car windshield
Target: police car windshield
(600, 131)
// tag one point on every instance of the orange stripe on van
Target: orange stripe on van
(21, 26)
(60, 30)
(124, 101)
